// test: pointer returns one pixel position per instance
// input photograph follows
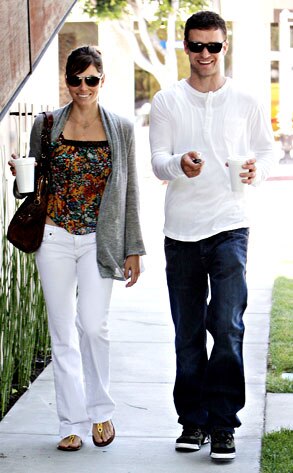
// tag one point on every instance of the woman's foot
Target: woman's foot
(70, 443)
(103, 433)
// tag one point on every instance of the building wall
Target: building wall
(251, 44)
(42, 92)
(46, 16)
(118, 90)
(252, 53)
(27, 27)
(15, 60)
(29, 71)
(281, 4)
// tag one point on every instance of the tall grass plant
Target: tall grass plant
(24, 337)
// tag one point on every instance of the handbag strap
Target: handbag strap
(46, 139)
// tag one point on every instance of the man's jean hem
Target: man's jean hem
(208, 392)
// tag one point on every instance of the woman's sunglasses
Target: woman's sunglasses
(196, 47)
(91, 81)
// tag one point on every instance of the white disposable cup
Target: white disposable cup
(235, 168)
(25, 174)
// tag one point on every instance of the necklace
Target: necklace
(86, 124)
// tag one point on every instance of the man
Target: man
(206, 230)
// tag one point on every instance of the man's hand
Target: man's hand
(190, 168)
(249, 176)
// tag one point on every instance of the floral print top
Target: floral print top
(79, 173)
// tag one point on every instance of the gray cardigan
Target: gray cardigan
(118, 230)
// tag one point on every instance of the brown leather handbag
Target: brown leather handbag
(26, 228)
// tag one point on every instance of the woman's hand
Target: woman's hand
(12, 165)
(132, 269)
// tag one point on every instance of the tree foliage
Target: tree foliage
(104, 10)
(158, 24)
(117, 9)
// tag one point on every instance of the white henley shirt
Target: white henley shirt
(219, 124)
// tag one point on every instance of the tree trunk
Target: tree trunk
(165, 73)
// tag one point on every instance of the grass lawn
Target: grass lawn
(277, 452)
(277, 447)
(281, 337)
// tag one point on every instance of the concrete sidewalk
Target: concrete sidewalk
(143, 363)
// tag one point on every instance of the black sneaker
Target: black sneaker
(191, 440)
(222, 445)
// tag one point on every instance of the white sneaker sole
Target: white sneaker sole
(191, 447)
(223, 456)
(187, 447)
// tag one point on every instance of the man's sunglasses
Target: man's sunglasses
(196, 47)
(75, 81)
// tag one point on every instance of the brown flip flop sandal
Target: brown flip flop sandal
(100, 429)
(69, 447)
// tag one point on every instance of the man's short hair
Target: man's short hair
(205, 20)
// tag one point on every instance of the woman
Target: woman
(92, 236)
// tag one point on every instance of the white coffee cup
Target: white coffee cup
(25, 174)
(235, 168)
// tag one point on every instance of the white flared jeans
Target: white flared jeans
(77, 300)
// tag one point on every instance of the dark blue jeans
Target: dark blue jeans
(208, 392)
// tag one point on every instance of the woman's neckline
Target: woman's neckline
(84, 142)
